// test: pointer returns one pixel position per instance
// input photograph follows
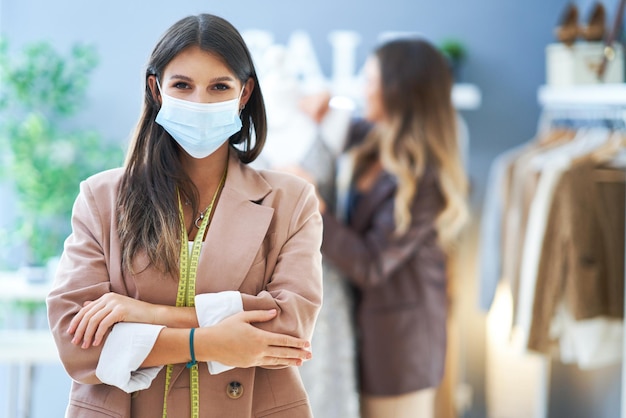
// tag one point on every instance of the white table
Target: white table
(14, 288)
(22, 348)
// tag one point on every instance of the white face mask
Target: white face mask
(199, 128)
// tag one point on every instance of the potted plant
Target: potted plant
(456, 53)
(45, 155)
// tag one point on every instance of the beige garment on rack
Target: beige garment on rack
(516, 380)
(582, 254)
(521, 184)
(552, 163)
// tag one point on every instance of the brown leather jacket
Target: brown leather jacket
(400, 287)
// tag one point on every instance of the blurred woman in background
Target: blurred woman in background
(400, 209)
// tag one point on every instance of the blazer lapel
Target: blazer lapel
(237, 230)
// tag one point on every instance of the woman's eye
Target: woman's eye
(221, 87)
(181, 85)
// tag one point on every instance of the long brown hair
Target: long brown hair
(147, 212)
(419, 131)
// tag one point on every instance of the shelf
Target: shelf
(27, 346)
(466, 96)
(13, 287)
(607, 95)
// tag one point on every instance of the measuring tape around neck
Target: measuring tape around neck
(187, 292)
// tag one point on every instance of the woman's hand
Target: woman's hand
(236, 342)
(315, 105)
(95, 318)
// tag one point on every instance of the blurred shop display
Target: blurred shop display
(297, 59)
(552, 247)
(552, 238)
(290, 71)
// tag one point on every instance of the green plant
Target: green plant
(456, 54)
(45, 154)
(453, 49)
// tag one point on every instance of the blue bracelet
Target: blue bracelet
(193, 361)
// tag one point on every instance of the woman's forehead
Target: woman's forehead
(195, 62)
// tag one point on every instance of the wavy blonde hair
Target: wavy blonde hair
(419, 130)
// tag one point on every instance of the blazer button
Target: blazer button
(234, 390)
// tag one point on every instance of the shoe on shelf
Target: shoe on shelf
(568, 30)
(595, 27)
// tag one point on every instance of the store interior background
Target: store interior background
(506, 43)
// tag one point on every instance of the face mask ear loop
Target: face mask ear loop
(241, 107)
(159, 88)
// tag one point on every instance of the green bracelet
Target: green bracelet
(193, 361)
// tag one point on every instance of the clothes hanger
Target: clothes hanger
(554, 128)
(613, 151)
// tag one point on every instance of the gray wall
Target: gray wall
(506, 41)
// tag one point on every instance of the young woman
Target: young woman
(403, 208)
(191, 283)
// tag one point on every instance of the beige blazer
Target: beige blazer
(582, 260)
(264, 241)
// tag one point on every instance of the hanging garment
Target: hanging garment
(550, 164)
(582, 254)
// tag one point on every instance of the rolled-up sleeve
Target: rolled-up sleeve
(211, 308)
(124, 351)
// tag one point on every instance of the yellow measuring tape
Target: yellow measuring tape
(187, 292)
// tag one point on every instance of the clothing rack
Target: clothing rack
(606, 102)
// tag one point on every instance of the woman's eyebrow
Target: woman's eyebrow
(223, 78)
(181, 77)
(213, 80)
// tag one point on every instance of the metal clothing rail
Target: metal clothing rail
(607, 101)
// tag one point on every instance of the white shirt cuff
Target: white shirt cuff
(126, 347)
(212, 308)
